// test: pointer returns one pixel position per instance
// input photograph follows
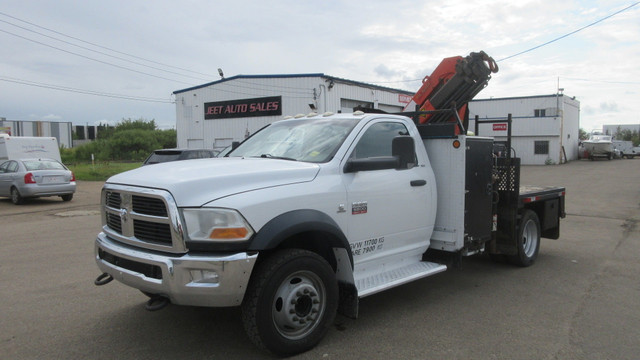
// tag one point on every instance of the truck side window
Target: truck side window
(376, 141)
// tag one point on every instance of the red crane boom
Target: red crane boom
(454, 82)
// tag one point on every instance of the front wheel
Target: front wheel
(290, 302)
(528, 241)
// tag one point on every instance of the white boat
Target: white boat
(598, 144)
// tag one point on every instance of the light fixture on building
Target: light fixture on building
(331, 85)
(312, 106)
(220, 73)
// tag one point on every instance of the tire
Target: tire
(528, 241)
(287, 289)
(16, 198)
(67, 197)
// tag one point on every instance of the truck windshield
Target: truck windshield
(308, 140)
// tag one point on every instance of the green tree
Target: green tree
(582, 134)
(167, 138)
(132, 144)
(128, 140)
(138, 124)
(98, 148)
(627, 135)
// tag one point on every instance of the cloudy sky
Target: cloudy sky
(88, 62)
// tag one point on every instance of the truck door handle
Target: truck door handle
(418, 182)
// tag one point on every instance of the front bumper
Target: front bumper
(198, 280)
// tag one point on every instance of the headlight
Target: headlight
(216, 225)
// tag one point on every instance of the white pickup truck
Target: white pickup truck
(310, 214)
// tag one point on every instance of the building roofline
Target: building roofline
(519, 97)
(284, 76)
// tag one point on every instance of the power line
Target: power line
(546, 43)
(104, 47)
(571, 33)
(81, 91)
(602, 81)
(90, 58)
(103, 53)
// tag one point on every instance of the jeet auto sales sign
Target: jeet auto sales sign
(266, 106)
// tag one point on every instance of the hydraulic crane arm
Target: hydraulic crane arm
(453, 83)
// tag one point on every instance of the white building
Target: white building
(60, 130)
(215, 114)
(545, 128)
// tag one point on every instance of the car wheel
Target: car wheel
(67, 197)
(16, 198)
(528, 241)
(291, 302)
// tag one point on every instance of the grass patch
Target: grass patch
(101, 171)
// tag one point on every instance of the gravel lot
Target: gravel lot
(581, 300)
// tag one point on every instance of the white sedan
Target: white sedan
(29, 178)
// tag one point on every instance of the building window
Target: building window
(539, 112)
(541, 147)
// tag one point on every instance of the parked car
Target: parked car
(165, 155)
(31, 178)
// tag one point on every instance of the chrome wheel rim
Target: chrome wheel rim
(298, 305)
(529, 238)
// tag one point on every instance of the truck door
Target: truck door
(390, 211)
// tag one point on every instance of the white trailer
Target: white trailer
(24, 147)
(625, 149)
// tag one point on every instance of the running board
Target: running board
(392, 278)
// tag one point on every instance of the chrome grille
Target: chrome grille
(146, 218)
(148, 206)
(153, 232)
(113, 221)
(112, 199)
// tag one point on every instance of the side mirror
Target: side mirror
(404, 148)
(235, 144)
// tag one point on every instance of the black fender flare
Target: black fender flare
(295, 222)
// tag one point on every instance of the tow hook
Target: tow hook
(157, 303)
(103, 279)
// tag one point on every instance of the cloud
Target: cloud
(380, 42)
(385, 72)
(604, 108)
(51, 117)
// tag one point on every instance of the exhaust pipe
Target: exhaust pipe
(103, 279)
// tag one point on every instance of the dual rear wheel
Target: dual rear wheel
(528, 240)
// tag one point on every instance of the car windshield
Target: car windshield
(32, 165)
(309, 140)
